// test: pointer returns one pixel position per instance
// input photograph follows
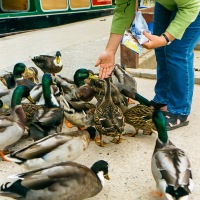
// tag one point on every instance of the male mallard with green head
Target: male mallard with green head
(108, 117)
(170, 166)
(49, 64)
(13, 126)
(63, 181)
(18, 71)
(81, 74)
(84, 92)
(47, 118)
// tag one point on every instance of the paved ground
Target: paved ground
(80, 44)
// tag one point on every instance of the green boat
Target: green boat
(23, 15)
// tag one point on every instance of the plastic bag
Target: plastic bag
(138, 26)
(129, 41)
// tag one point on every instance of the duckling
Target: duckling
(52, 149)
(13, 126)
(63, 181)
(18, 71)
(108, 117)
(170, 166)
(139, 117)
(49, 64)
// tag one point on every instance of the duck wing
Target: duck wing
(174, 166)
(68, 180)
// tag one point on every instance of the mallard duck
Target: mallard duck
(126, 83)
(108, 117)
(139, 117)
(6, 96)
(8, 80)
(67, 88)
(63, 181)
(4, 109)
(18, 71)
(171, 167)
(49, 64)
(81, 74)
(80, 119)
(46, 118)
(11, 80)
(13, 126)
(84, 91)
(81, 105)
(99, 87)
(58, 147)
(32, 77)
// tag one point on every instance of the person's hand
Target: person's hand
(106, 61)
(154, 41)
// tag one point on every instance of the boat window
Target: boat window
(74, 4)
(101, 2)
(15, 5)
(54, 5)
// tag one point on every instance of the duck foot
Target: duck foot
(68, 124)
(131, 101)
(131, 134)
(5, 152)
(81, 128)
(117, 141)
(155, 193)
(3, 156)
(99, 142)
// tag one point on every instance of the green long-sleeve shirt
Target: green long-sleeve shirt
(186, 14)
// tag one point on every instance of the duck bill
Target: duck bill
(30, 99)
(5, 106)
(28, 72)
(58, 59)
(92, 76)
(106, 176)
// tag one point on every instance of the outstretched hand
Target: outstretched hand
(106, 62)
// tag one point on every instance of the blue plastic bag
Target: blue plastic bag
(138, 26)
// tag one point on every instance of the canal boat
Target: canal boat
(23, 15)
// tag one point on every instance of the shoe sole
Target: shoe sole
(177, 126)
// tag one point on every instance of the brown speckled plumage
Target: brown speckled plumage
(108, 117)
(139, 117)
